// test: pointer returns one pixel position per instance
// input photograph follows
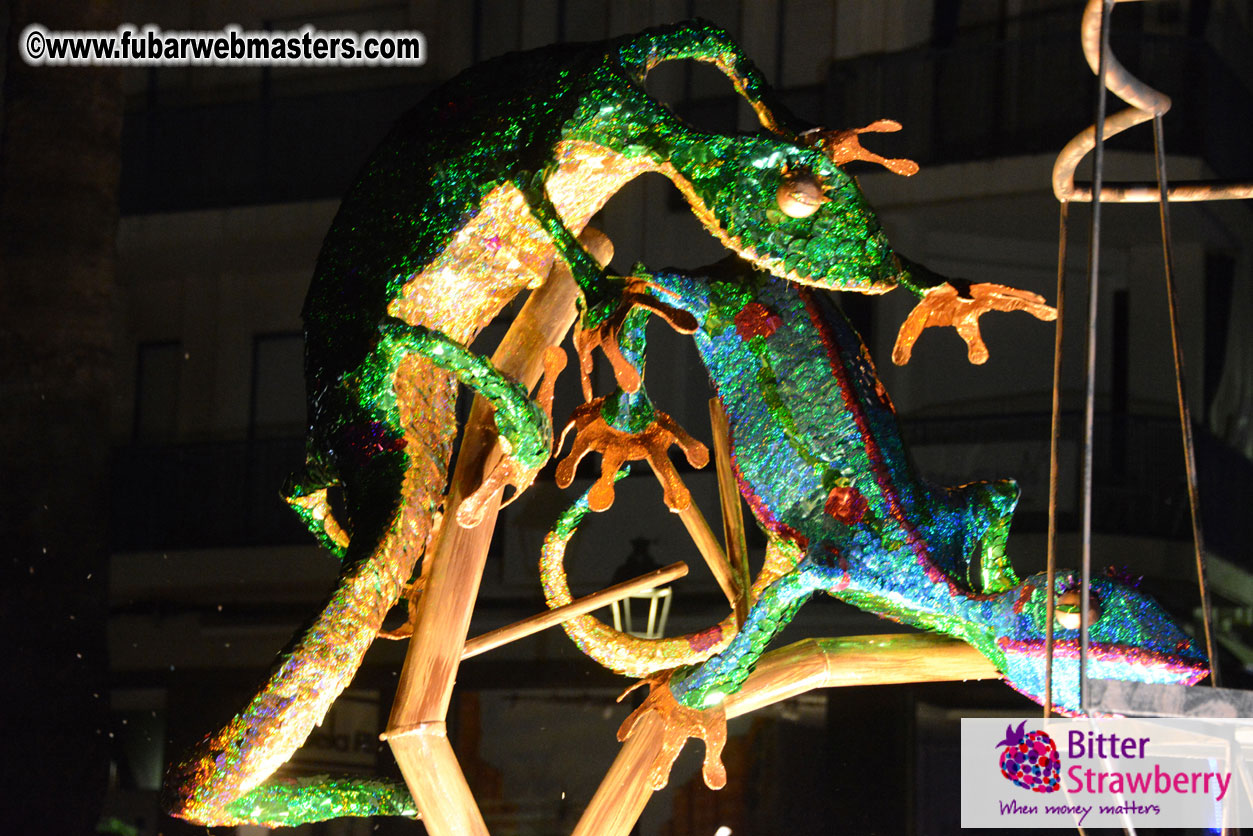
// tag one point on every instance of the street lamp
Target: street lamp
(642, 614)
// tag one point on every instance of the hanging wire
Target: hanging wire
(1089, 403)
(1054, 464)
(1146, 104)
(1185, 417)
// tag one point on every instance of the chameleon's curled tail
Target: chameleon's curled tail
(220, 781)
(618, 651)
(223, 780)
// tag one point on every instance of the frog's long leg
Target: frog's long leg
(599, 291)
(699, 40)
(606, 301)
(525, 427)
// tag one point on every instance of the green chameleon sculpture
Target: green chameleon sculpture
(466, 203)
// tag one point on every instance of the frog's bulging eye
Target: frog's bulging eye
(800, 195)
(1066, 612)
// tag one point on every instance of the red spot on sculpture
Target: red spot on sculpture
(756, 320)
(846, 504)
(705, 639)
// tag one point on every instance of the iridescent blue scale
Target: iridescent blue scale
(821, 462)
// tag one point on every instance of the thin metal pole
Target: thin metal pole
(1185, 416)
(1089, 406)
(1054, 463)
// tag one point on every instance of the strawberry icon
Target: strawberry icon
(1030, 759)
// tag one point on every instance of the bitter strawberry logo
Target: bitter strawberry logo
(1030, 759)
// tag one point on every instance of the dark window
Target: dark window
(158, 373)
(278, 386)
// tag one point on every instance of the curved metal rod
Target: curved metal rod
(1118, 80)
(1145, 104)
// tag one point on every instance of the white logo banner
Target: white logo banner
(1106, 772)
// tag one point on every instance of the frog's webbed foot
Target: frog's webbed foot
(844, 146)
(512, 470)
(602, 325)
(616, 446)
(960, 305)
(625, 426)
(681, 722)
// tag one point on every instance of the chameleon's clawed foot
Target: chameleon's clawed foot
(960, 305)
(410, 592)
(606, 332)
(681, 722)
(509, 470)
(593, 432)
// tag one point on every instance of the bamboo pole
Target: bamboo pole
(892, 659)
(447, 805)
(732, 509)
(624, 791)
(559, 615)
(710, 549)
(707, 544)
(455, 568)
(455, 565)
(895, 658)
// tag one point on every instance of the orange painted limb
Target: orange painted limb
(580, 606)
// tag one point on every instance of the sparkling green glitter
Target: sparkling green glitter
(290, 802)
(467, 202)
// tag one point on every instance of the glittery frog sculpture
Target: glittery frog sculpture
(820, 460)
(467, 202)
